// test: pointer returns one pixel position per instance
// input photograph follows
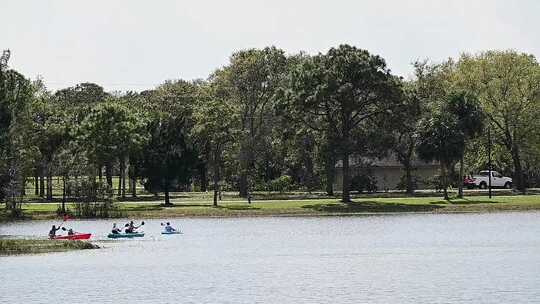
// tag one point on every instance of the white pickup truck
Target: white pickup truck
(497, 180)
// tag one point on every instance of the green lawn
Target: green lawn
(201, 205)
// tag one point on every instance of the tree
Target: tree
(344, 90)
(78, 102)
(470, 118)
(327, 157)
(137, 104)
(109, 133)
(216, 126)
(15, 150)
(50, 133)
(83, 94)
(444, 135)
(404, 128)
(508, 86)
(252, 79)
(442, 140)
(170, 156)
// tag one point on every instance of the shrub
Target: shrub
(364, 182)
(402, 185)
(281, 184)
(94, 199)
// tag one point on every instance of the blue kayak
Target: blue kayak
(171, 232)
(125, 235)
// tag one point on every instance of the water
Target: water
(462, 258)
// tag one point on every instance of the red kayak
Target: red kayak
(76, 236)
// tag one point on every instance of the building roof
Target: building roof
(385, 162)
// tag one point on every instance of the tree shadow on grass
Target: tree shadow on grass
(370, 206)
(185, 205)
(145, 208)
(465, 201)
(180, 206)
(238, 207)
(152, 198)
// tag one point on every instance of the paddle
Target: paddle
(127, 225)
(134, 227)
(65, 218)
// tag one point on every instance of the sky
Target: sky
(136, 45)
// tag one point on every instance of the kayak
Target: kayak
(77, 236)
(171, 232)
(125, 235)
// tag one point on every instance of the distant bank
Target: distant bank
(297, 207)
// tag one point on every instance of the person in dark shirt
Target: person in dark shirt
(52, 233)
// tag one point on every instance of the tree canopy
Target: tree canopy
(271, 121)
(343, 91)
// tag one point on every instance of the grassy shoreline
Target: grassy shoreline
(15, 247)
(202, 207)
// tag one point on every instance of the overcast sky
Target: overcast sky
(135, 45)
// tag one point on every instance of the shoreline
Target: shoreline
(11, 247)
(202, 208)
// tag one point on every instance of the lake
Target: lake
(424, 258)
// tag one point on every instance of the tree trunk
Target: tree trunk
(203, 177)
(408, 177)
(123, 177)
(36, 182)
(244, 162)
(133, 187)
(518, 170)
(42, 182)
(243, 185)
(120, 168)
(130, 184)
(108, 175)
(444, 181)
(309, 171)
(217, 173)
(49, 183)
(167, 197)
(460, 182)
(345, 196)
(69, 192)
(216, 188)
(63, 194)
(23, 188)
(330, 171)
(119, 190)
(216, 193)
(132, 180)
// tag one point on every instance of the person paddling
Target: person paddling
(115, 230)
(52, 233)
(131, 228)
(169, 228)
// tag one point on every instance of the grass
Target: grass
(201, 206)
(10, 247)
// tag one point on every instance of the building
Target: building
(388, 172)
